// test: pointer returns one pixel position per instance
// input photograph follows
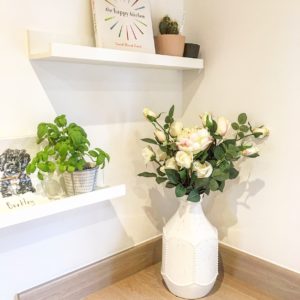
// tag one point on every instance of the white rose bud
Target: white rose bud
(171, 164)
(160, 135)
(207, 117)
(184, 159)
(176, 129)
(147, 112)
(148, 154)
(161, 155)
(250, 151)
(264, 132)
(202, 170)
(223, 126)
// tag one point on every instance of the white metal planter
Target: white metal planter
(190, 252)
(80, 182)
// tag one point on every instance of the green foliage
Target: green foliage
(221, 155)
(168, 26)
(65, 149)
(242, 119)
(147, 174)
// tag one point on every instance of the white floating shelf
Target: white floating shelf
(91, 55)
(53, 207)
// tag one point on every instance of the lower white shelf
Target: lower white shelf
(52, 207)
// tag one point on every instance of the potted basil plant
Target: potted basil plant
(66, 149)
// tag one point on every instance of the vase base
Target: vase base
(191, 291)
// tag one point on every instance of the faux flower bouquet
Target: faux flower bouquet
(198, 160)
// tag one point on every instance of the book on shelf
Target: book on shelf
(123, 25)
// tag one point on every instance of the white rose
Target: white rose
(186, 132)
(202, 170)
(161, 155)
(184, 159)
(223, 126)
(197, 141)
(264, 132)
(176, 129)
(250, 151)
(171, 164)
(148, 154)
(147, 112)
(160, 135)
(207, 117)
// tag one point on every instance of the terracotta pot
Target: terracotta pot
(169, 44)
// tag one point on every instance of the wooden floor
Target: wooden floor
(148, 285)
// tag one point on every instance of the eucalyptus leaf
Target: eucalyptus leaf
(244, 128)
(201, 182)
(160, 180)
(219, 175)
(160, 173)
(194, 196)
(253, 155)
(180, 190)
(173, 176)
(213, 185)
(147, 174)
(183, 175)
(242, 118)
(150, 141)
(219, 153)
(221, 186)
(241, 135)
(170, 185)
(235, 126)
(233, 173)
(171, 111)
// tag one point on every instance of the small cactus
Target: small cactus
(167, 26)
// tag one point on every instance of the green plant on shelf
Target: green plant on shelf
(66, 148)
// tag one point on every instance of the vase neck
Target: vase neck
(193, 207)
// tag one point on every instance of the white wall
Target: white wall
(251, 51)
(108, 101)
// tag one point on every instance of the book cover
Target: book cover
(123, 24)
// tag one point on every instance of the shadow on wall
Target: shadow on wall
(222, 208)
(98, 94)
(163, 206)
(192, 84)
(37, 231)
(162, 202)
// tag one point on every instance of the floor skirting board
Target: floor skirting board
(81, 283)
(272, 280)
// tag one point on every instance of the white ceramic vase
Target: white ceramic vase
(190, 252)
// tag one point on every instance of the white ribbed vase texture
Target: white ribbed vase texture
(190, 252)
(80, 182)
